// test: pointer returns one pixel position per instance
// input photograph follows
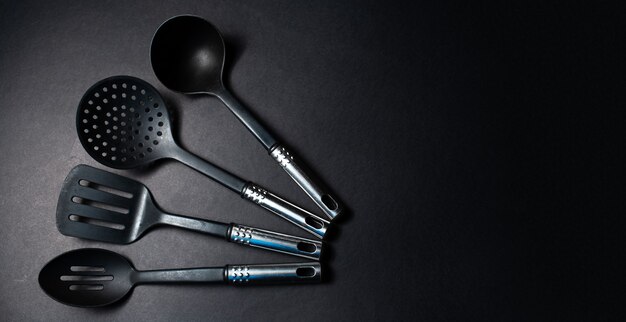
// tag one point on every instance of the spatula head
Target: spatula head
(122, 122)
(87, 277)
(99, 205)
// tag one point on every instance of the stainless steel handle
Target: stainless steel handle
(277, 242)
(274, 273)
(298, 216)
(323, 199)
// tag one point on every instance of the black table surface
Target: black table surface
(471, 144)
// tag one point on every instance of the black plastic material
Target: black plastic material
(187, 55)
(96, 277)
(123, 123)
(116, 209)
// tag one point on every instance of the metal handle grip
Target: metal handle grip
(277, 242)
(298, 216)
(323, 199)
(274, 273)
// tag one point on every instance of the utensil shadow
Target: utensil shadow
(234, 45)
(113, 307)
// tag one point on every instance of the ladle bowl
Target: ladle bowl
(192, 64)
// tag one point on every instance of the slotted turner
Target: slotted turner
(99, 205)
(123, 123)
(92, 277)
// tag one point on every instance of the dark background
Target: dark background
(478, 148)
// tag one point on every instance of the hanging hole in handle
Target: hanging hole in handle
(305, 272)
(329, 202)
(307, 247)
(314, 223)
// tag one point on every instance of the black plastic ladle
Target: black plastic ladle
(92, 277)
(187, 55)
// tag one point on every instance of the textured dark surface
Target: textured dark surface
(474, 145)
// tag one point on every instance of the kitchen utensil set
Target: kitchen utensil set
(123, 123)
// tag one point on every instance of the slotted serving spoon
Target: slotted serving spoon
(187, 55)
(93, 277)
(99, 205)
(123, 123)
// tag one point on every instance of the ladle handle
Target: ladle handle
(329, 205)
(274, 273)
(293, 166)
(283, 208)
(265, 239)
(246, 117)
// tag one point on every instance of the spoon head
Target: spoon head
(187, 55)
(123, 123)
(87, 277)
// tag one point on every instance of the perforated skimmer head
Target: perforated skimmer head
(122, 122)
